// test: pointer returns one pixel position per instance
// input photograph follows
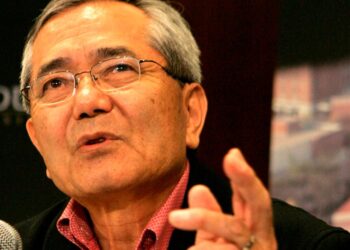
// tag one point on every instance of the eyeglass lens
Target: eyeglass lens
(107, 75)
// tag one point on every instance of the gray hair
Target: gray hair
(169, 34)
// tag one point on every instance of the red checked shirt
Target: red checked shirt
(76, 227)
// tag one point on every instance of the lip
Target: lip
(95, 139)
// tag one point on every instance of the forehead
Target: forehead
(82, 30)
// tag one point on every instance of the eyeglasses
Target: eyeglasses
(107, 75)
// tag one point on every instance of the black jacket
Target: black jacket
(295, 228)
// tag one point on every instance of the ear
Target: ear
(32, 135)
(196, 105)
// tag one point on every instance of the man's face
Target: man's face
(97, 143)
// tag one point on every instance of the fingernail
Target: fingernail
(177, 215)
(237, 154)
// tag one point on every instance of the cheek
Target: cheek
(166, 115)
(50, 130)
(53, 147)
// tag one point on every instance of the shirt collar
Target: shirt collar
(74, 223)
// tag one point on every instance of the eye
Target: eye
(122, 67)
(116, 72)
(54, 87)
(117, 66)
(53, 84)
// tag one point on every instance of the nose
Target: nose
(89, 100)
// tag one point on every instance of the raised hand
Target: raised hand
(251, 226)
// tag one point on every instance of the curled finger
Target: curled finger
(220, 225)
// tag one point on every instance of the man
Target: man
(116, 110)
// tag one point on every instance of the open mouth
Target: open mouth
(96, 141)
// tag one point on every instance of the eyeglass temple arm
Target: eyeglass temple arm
(171, 74)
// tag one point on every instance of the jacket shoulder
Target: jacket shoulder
(40, 231)
(297, 229)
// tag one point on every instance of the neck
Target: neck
(119, 221)
(121, 228)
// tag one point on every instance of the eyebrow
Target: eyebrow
(104, 53)
(62, 63)
(53, 65)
